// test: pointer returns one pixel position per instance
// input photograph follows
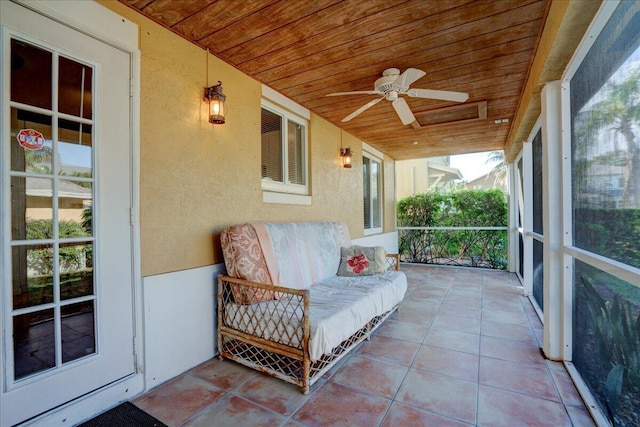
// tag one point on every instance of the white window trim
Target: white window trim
(373, 154)
(278, 98)
(285, 198)
(284, 192)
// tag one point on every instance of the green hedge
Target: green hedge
(457, 208)
(613, 233)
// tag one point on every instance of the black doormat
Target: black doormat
(124, 415)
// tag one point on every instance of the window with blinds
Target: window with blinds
(271, 132)
(372, 193)
(284, 151)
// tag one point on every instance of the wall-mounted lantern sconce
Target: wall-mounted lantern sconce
(345, 153)
(216, 100)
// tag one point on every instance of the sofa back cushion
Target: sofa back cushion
(299, 254)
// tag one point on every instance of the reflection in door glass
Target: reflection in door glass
(32, 275)
(78, 336)
(75, 208)
(33, 343)
(74, 149)
(31, 207)
(74, 88)
(76, 270)
(30, 71)
(31, 136)
(53, 303)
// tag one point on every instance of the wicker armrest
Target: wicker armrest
(393, 262)
(269, 318)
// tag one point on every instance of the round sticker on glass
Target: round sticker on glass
(30, 139)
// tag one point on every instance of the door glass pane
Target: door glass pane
(76, 270)
(30, 74)
(32, 275)
(74, 208)
(33, 343)
(75, 149)
(74, 88)
(31, 205)
(78, 333)
(30, 142)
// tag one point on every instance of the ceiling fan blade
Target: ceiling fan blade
(405, 79)
(358, 92)
(361, 109)
(403, 110)
(443, 95)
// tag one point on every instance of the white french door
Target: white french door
(66, 192)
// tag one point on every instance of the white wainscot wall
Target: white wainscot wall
(179, 322)
(388, 240)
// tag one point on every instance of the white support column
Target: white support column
(513, 218)
(527, 225)
(567, 221)
(552, 221)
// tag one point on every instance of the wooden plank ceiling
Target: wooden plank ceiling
(306, 49)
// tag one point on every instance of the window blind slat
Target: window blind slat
(295, 153)
(366, 185)
(271, 132)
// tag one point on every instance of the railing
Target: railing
(485, 247)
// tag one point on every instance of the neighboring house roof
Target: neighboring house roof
(487, 180)
(449, 172)
(41, 187)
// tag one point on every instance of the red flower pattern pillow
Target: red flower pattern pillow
(357, 261)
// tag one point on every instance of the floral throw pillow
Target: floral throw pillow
(356, 261)
(380, 258)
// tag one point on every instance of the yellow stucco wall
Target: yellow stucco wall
(197, 178)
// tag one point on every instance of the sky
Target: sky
(472, 165)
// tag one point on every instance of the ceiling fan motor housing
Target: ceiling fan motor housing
(385, 85)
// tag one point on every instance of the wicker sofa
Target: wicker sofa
(282, 308)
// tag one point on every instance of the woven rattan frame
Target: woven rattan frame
(288, 358)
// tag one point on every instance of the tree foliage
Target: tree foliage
(40, 260)
(618, 112)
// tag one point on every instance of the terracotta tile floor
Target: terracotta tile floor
(462, 350)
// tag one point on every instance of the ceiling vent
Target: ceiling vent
(454, 114)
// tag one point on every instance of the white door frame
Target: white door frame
(102, 24)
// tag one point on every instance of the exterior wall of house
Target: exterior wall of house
(487, 182)
(197, 178)
(417, 176)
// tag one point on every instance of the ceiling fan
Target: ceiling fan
(392, 84)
